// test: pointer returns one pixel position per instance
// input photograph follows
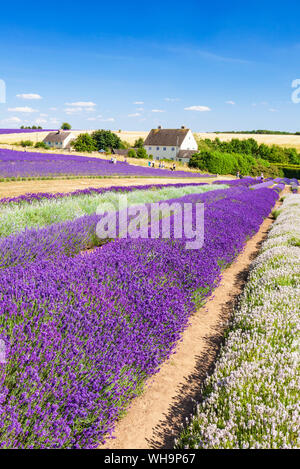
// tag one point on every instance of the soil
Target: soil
(15, 188)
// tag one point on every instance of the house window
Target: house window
(149, 148)
(164, 148)
(173, 148)
(157, 148)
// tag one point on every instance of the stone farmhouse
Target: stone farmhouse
(172, 144)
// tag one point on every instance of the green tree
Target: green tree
(125, 145)
(105, 139)
(139, 143)
(66, 126)
(84, 142)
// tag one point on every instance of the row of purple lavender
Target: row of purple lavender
(22, 131)
(20, 164)
(83, 332)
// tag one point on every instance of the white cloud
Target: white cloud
(40, 121)
(197, 108)
(95, 118)
(230, 102)
(273, 110)
(21, 109)
(78, 109)
(158, 110)
(81, 104)
(29, 96)
(11, 120)
(54, 120)
(72, 110)
(43, 115)
(172, 100)
(140, 109)
(135, 114)
(109, 119)
(138, 102)
(53, 108)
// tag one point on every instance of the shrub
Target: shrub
(141, 153)
(290, 171)
(26, 143)
(41, 145)
(84, 142)
(218, 162)
(274, 153)
(132, 153)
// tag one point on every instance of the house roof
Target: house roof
(166, 137)
(186, 153)
(57, 136)
(120, 151)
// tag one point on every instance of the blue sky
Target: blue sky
(135, 65)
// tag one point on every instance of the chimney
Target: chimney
(183, 126)
(159, 127)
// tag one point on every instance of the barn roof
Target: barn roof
(186, 153)
(57, 136)
(166, 137)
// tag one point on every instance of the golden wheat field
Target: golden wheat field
(130, 137)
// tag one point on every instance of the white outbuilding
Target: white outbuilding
(59, 139)
(172, 144)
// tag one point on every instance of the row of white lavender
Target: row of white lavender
(252, 398)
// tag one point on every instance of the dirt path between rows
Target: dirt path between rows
(16, 188)
(155, 418)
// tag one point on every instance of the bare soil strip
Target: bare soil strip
(15, 188)
(155, 418)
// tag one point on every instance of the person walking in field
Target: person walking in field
(262, 177)
(238, 175)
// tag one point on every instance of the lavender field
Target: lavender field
(21, 131)
(20, 164)
(82, 332)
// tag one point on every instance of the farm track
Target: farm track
(155, 418)
(16, 188)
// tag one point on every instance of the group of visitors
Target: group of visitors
(239, 176)
(161, 165)
(113, 160)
